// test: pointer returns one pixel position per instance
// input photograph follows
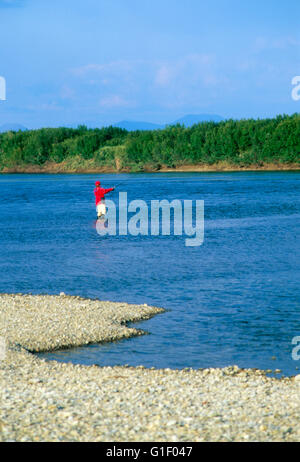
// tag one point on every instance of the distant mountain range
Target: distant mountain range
(11, 127)
(131, 125)
(187, 121)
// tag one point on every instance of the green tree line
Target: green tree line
(236, 142)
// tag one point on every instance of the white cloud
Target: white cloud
(164, 75)
(113, 67)
(113, 101)
(192, 69)
(279, 43)
(66, 92)
(194, 80)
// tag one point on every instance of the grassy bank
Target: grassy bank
(92, 167)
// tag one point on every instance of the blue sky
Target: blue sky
(68, 62)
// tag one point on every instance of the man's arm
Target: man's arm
(108, 190)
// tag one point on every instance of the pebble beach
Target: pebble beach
(50, 401)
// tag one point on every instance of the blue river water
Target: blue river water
(233, 300)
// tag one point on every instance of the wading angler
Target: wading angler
(156, 219)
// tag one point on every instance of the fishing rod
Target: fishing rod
(117, 185)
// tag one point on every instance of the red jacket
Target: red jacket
(100, 193)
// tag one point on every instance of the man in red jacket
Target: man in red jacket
(100, 199)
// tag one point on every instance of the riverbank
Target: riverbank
(90, 167)
(50, 401)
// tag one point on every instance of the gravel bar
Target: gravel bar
(51, 401)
